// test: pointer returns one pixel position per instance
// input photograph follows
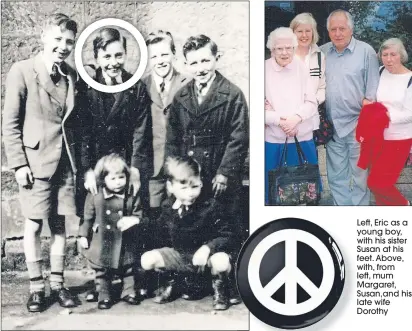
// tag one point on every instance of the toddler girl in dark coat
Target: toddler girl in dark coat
(109, 234)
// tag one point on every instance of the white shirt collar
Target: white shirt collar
(108, 195)
(179, 206)
(49, 65)
(158, 80)
(208, 84)
(108, 79)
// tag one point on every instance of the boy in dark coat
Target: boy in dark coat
(209, 121)
(110, 220)
(119, 122)
(192, 234)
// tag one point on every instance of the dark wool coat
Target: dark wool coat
(214, 133)
(203, 224)
(121, 123)
(109, 247)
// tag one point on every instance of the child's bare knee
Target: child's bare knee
(33, 226)
(220, 263)
(151, 260)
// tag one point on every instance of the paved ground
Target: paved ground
(178, 315)
(404, 183)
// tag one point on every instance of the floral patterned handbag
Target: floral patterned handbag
(294, 185)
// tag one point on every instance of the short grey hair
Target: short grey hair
(341, 11)
(306, 18)
(281, 33)
(399, 46)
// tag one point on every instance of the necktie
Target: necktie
(114, 81)
(55, 74)
(162, 86)
(183, 210)
(201, 88)
(200, 92)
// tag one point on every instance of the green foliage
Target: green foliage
(374, 22)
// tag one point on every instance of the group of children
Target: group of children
(153, 172)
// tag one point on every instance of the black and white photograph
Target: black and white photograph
(336, 133)
(125, 164)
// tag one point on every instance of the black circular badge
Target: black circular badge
(290, 273)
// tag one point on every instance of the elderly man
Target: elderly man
(352, 76)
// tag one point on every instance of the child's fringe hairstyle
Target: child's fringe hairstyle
(108, 163)
(181, 168)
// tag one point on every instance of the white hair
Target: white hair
(398, 44)
(341, 11)
(281, 33)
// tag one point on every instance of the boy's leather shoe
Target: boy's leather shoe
(133, 299)
(220, 293)
(36, 302)
(105, 304)
(64, 297)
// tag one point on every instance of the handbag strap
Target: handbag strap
(301, 155)
(284, 156)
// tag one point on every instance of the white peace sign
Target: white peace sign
(291, 275)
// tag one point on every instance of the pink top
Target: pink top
(289, 91)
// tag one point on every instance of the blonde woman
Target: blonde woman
(305, 28)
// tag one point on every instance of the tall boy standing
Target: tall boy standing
(39, 132)
(162, 84)
(209, 122)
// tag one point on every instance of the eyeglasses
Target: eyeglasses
(280, 50)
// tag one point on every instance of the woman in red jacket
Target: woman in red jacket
(395, 93)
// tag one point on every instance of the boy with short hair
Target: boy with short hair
(162, 84)
(39, 132)
(192, 234)
(209, 121)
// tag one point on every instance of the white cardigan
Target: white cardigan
(317, 78)
(397, 98)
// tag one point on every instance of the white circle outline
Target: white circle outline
(79, 61)
(262, 295)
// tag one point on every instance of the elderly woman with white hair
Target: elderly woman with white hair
(395, 93)
(305, 28)
(290, 103)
